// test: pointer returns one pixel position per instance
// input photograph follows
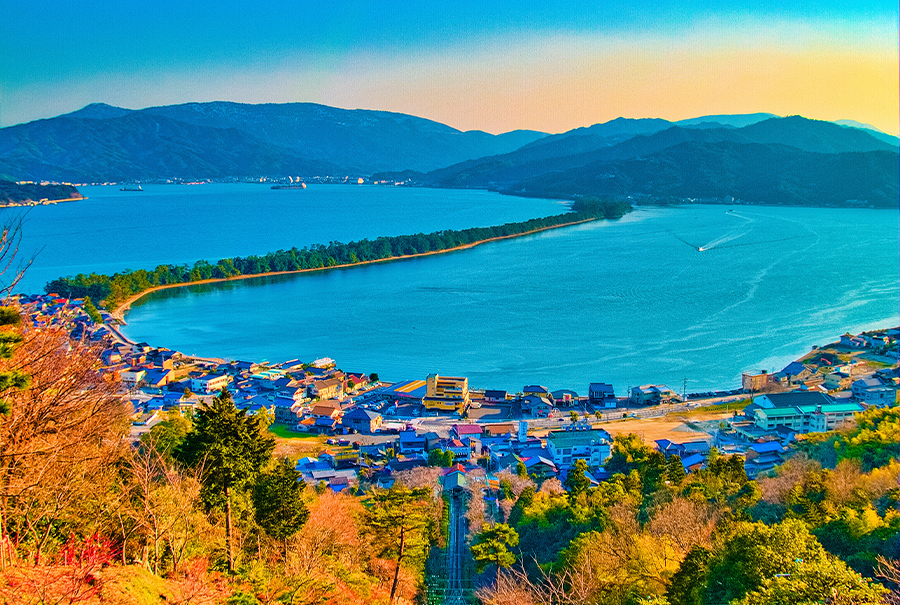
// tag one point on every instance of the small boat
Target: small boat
(127, 188)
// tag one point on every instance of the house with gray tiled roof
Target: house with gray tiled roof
(362, 420)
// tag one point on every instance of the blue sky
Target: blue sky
(494, 66)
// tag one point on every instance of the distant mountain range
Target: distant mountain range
(758, 158)
(214, 140)
(790, 160)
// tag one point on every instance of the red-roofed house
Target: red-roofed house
(465, 430)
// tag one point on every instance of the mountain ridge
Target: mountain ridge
(732, 172)
(548, 156)
(313, 139)
(216, 140)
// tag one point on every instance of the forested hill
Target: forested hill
(24, 193)
(776, 161)
(749, 173)
(219, 139)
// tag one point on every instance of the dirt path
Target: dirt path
(119, 312)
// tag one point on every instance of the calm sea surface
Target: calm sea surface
(114, 230)
(628, 302)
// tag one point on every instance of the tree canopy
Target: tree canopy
(278, 503)
(398, 519)
(491, 547)
(231, 449)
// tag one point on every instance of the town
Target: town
(374, 429)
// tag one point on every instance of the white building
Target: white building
(579, 441)
(132, 377)
(211, 383)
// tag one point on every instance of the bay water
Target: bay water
(684, 295)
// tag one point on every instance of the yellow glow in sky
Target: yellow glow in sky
(556, 84)
(550, 80)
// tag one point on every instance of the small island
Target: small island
(27, 193)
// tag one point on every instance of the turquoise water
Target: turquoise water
(114, 230)
(628, 302)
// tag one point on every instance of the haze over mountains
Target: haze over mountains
(759, 158)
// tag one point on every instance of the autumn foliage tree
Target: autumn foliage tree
(59, 437)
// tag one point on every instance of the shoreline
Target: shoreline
(119, 312)
(40, 202)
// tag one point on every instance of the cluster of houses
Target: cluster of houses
(319, 398)
(494, 447)
(51, 311)
(830, 371)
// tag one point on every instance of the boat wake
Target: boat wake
(732, 235)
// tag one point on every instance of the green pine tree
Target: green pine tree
(491, 547)
(398, 520)
(576, 481)
(278, 502)
(231, 449)
(675, 470)
(92, 311)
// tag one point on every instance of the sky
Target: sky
(492, 66)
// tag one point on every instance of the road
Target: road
(443, 425)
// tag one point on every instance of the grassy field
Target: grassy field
(282, 432)
(297, 445)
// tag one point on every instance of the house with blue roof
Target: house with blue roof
(564, 397)
(155, 404)
(323, 426)
(539, 466)
(795, 372)
(158, 377)
(762, 457)
(532, 405)
(694, 462)
(286, 411)
(536, 390)
(601, 395)
(670, 448)
(495, 396)
(410, 442)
